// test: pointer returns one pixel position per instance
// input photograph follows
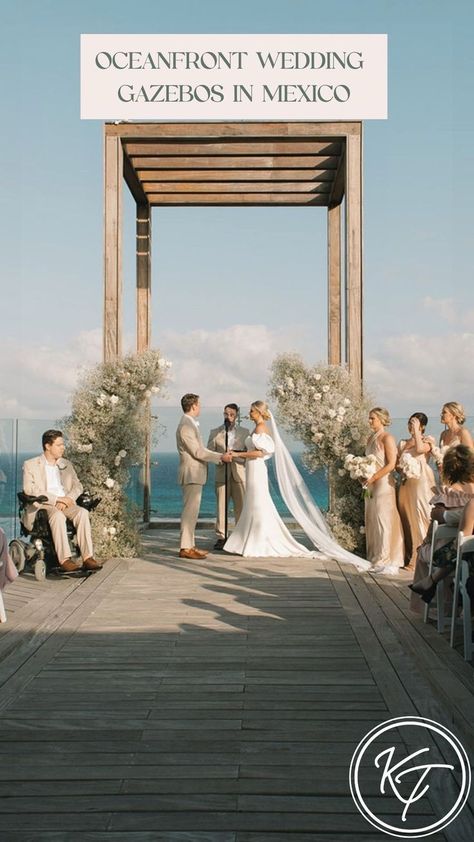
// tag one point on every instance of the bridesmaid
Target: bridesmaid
(414, 494)
(453, 416)
(383, 529)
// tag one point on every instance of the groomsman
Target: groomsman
(192, 472)
(236, 436)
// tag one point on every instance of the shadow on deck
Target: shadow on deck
(215, 701)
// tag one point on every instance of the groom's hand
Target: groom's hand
(226, 457)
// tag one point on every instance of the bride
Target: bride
(260, 531)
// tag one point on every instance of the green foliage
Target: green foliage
(323, 408)
(107, 431)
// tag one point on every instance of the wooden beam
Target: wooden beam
(259, 199)
(143, 268)
(133, 181)
(256, 147)
(113, 167)
(354, 342)
(334, 285)
(339, 182)
(171, 176)
(235, 187)
(321, 130)
(312, 162)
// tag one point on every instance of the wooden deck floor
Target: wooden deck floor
(215, 701)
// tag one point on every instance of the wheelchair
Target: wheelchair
(34, 550)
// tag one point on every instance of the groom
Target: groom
(192, 472)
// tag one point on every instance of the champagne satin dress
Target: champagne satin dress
(414, 496)
(383, 528)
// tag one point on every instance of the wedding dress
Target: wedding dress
(260, 531)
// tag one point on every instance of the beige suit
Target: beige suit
(192, 475)
(35, 483)
(236, 475)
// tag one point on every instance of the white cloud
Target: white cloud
(450, 310)
(414, 372)
(222, 365)
(228, 364)
(37, 381)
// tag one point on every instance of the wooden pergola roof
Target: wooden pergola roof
(246, 164)
(264, 164)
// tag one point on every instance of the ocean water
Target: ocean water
(166, 497)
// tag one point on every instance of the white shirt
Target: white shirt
(53, 480)
(230, 438)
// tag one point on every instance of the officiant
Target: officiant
(236, 436)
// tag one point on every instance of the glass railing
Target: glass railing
(21, 438)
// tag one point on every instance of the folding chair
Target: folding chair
(465, 545)
(440, 530)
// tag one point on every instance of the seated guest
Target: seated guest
(448, 506)
(445, 565)
(54, 477)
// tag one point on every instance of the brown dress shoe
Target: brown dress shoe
(91, 564)
(69, 566)
(200, 553)
(191, 553)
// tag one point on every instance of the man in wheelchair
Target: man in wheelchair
(54, 478)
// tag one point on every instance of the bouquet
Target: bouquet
(360, 467)
(409, 467)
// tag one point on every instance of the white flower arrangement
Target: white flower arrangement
(106, 434)
(409, 466)
(360, 467)
(329, 421)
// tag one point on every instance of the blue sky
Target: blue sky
(232, 287)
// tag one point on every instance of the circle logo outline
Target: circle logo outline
(391, 724)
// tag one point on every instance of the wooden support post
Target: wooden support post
(354, 348)
(113, 170)
(334, 285)
(143, 276)
(144, 329)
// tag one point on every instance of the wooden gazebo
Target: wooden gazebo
(244, 164)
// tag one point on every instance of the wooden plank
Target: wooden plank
(226, 199)
(329, 131)
(234, 187)
(133, 181)
(208, 175)
(238, 162)
(256, 146)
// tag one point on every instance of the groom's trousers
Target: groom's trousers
(192, 493)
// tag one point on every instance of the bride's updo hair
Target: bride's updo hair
(382, 414)
(262, 408)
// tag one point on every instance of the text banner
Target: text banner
(233, 77)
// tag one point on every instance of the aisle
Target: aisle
(215, 701)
